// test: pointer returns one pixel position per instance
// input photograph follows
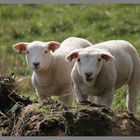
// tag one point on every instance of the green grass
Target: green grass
(95, 22)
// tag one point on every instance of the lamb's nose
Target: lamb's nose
(88, 74)
(36, 64)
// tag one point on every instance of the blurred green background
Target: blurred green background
(95, 22)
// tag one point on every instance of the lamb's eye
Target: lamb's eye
(99, 59)
(27, 52)
(46, 51)
(78, 59)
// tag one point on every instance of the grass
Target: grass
(95, 22)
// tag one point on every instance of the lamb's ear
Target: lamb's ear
(53, 45)
(71, 56)
(107, 56)
(20, 47)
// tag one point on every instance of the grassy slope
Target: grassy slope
(56, 22)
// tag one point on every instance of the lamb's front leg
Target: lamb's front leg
(92, 99)
(79, 96)
(106, 99)
(42, 97)
(67, 100)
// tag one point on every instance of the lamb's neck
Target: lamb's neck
(55, 68)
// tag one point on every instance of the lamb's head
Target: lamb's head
(38, 53)
(89, 62)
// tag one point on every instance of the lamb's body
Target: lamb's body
(113, 74)
(56, 80)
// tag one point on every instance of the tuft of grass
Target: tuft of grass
(120, 98)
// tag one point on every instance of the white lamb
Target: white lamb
(51, 73)
(102, 68)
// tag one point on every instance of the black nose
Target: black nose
(88, 74)
(36, 64)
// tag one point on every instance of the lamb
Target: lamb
(51, 73)
(104, 67)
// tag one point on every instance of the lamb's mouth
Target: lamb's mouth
(89, 79)
(36, 68)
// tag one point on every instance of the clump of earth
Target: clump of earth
(19, 116)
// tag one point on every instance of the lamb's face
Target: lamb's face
(89, 62)
(38, 54)
(89, 65)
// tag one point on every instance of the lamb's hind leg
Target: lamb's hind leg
(131, 99)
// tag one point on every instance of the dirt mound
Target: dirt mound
(25, 118)
(9, 93)
(93, 120)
